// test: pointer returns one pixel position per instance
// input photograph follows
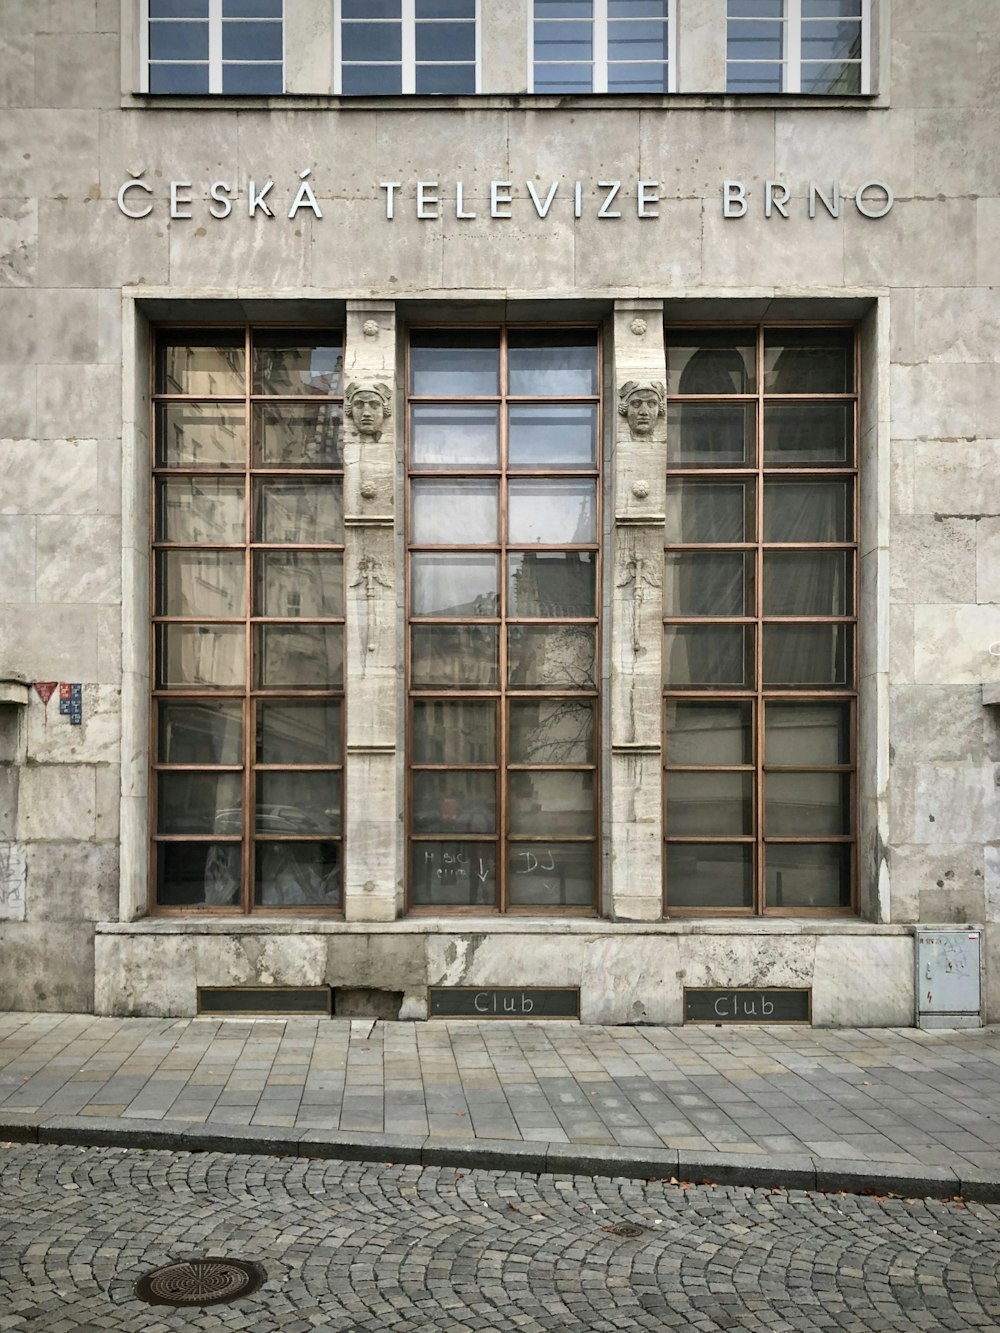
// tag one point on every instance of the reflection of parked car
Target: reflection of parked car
(289, 873)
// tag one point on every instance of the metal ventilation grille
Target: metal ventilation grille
(265, 1000)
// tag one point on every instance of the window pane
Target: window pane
(201, 435)
(251, 9)
(176, 9)
(709, 733)
(303, 803)
(711, 435)
(178, 78)
(751, 78)
(553, 436)
(808, 434)
(551, 731)
(294, 363)
(445, 80)
(371, 80)
(708, 656)
(755, 40)
(454, 585)
(454, 802)
(446, 41)
(808, 511)
(807, 734)
(551, 874)
(808, 360)
(453, 874)
(712, 803)
(200, 583)
(716, 584)
(200, 509)
(251, 41)
(766, 9)
(289, 657)
(563, 78)
(552, 512)
(807, 583)
(458, 513)
(637, 9)
(542, 583)
(453, 732)
(807, 803)
(637, 41)
(560, 657)
(831, 9)
(370, 9)
(297, 874)
(454, 435)
(371, 42)
(298, 583)
(445, 9)
(637, 78)
(807, 654)
(714, 511)
(709, 874)
(837, 79)
(454, 365)
(304, 512)
(831, 41)
(178, 41)
(198, 874)
(200, 656)
(550, 364)
(296, 436)
(711, 361)
(550, 804)
(199, 802)
(200, 733)
(563, 41)
(563, 9)
(298, 733)
(453, 657)
(202, 362)
(799, 875)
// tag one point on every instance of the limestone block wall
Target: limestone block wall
(72, 534)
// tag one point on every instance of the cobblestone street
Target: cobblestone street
(352, 1247)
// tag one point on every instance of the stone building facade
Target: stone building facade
(502, 495)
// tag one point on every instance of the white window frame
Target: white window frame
(408, 58)
(215, 62)
(791, 56)
(599, 64)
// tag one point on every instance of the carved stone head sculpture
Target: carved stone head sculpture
(368, 404)
(641, 402)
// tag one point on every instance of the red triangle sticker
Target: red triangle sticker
(46, 689)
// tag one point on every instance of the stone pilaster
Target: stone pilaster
(638, 487)
(371, 653)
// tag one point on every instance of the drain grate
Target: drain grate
(197, 1282)
(628, 1229)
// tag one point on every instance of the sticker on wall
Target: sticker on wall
(45, 689)
(71, 702)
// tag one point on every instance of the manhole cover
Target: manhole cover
(200, 1282)
(628, 1229)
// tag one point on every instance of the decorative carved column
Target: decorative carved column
(636, 617)
(371, 655)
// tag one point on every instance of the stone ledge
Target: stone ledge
(491, 925)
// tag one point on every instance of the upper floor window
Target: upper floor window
(602, 46)
(798, 46)
(212, 46)
(406, 46)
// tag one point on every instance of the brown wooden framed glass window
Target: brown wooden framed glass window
(760, 620)
(503, 588)
(248, 629)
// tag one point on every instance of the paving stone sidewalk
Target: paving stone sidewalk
(893, 1109)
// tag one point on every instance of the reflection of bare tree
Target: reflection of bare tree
(552, 656)
(552, 731)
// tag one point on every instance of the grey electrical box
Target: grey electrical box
(948, 979)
